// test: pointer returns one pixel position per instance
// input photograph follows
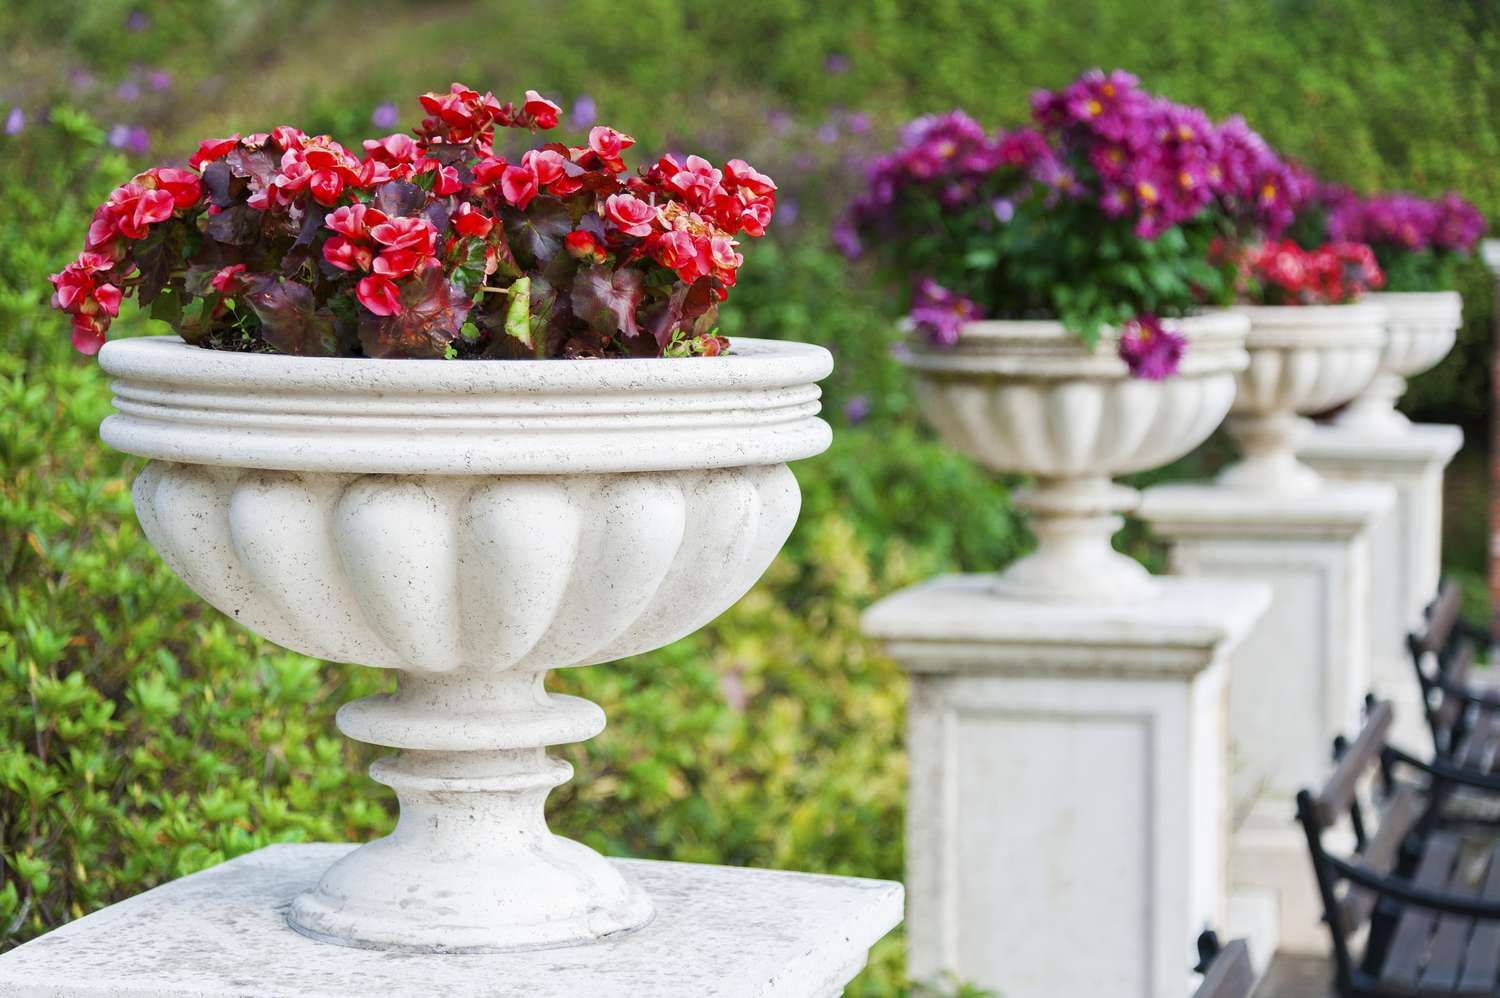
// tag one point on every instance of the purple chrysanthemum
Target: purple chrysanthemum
(940, 314)
(1149, 349)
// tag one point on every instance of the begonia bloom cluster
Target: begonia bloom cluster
(427, 244)
(1283, 273)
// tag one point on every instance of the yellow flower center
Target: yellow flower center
(1147, 192)
(1095, 108)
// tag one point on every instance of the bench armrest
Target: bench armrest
(1467, 693)
(1445, 770)
(1406, 892)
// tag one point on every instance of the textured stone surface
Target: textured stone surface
(719, 932)
(1030, 397)
(1300, 677)
(470, 525)
(1406, 547)
(1067, 814)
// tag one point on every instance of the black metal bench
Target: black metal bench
(1226, 968)
(1429, 895)
(1464, 716)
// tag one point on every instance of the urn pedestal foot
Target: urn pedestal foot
(1269, 463)
(1073, 520)
(1375, 408)
(471, 866)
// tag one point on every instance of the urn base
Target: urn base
(556, 893)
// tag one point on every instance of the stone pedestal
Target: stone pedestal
(223, 933)
(1406, 548)
(1067, 814)
(1300, 677)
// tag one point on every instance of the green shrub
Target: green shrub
(146, 736)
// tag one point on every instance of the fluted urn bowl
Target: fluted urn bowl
(1421, 327)
(1304, 359)
(1029, 397)
(471, 525)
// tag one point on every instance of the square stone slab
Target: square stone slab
(719, 932)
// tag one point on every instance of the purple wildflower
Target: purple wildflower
(118, 136)
(15, 121)
(159, 80)
(859, 123)
(129, 91)
(385, 115)
(584, 112)
(836, 64)
(940, 314)
(1004, 209)
(847, 241)
(1149, 349)
(137, 21)
(857, 410)
(828, 133)
(778, 120)
(787, 210)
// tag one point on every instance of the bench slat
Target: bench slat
(1338, 792)
(1230, 974)
(1482, 961)
(1441, 616)
(1456, 671)
(1411, 944)
(1380, 853)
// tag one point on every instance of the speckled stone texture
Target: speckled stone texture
(719, 932)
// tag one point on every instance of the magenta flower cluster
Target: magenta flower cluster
(1101, 139)
(1404, 221)
(939, 313)
(1163, 163)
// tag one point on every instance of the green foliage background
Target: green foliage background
(144, 736)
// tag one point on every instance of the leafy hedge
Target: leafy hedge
(146, 736)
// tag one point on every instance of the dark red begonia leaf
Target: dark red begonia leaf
(290, 320)
(538, 232)
(607, 299)
(433, 310)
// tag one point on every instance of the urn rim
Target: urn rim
(1046, 349)
(176, 402)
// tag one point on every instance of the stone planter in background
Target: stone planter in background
(470, 525)
(1421, 327)
(1303, 359)
(1029, 397)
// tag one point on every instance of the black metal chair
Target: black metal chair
(1429, 895)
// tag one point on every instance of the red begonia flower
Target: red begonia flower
(212, 149)
(379, 295)
(630, 214)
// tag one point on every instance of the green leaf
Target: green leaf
(518, 312)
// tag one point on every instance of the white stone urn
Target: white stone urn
(1304, 359)
(1029, 397)
(471, 525)
(1421, 327)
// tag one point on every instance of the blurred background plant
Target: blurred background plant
(145, 736)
